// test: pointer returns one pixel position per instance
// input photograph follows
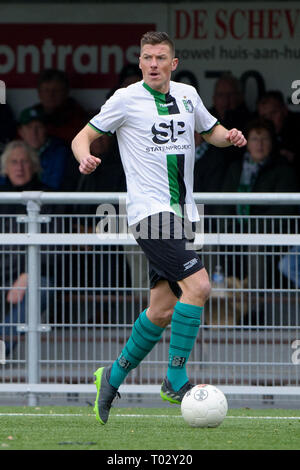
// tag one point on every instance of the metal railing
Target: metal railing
(85, 289)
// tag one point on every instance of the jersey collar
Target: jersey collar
(155, 93)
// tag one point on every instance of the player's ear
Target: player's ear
(174, 64)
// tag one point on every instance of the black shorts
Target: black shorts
(166, 241)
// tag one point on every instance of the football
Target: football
(204, 406)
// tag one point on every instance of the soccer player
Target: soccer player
(154, 120)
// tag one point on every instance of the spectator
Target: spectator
(289, 266)
(20, 165)
(287, 124)
(212, 162)
(63, 115)
(55, 157)
(260, 170)
(130, 73)
(228, 103)
(8, 127)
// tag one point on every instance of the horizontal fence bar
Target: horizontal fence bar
(99, 197)
(142, 389)
(245, 239)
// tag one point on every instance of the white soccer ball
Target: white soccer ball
(204, 406)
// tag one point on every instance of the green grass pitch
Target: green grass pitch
(70, 428)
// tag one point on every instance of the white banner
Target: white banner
(257, 42)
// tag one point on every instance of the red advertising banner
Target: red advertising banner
(91, 54)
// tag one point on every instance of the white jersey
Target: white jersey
(155, 134)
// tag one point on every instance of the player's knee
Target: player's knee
(162, 316)
(205, 290)
(197, 293)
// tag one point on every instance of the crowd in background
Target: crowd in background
(270, 163)
(35, 150)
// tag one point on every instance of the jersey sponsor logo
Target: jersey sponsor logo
(165, 105)
(164, 132)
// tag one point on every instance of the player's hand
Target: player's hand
(17, 292)
(89, 164)
(236, 138)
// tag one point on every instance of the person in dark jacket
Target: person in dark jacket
(262, 169)
(55, 156)
(64, 115)
(272, 106)
(8, 126)
(20, 165)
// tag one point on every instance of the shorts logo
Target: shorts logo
(190, 264)
(188, 105)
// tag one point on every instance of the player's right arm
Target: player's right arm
(81, 150)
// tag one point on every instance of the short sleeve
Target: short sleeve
(204, 121)
(112, 114)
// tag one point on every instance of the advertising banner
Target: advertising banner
(259, 43)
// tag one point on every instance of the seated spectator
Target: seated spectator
(287, 124)
(260, 170)
(289, 266)
(212, 162)
(54, 155)
(64, 117)
(130, 73)
(229, 104)
(8, 128)
(20, 164)
(21, 167)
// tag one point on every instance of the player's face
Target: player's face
(157, 64)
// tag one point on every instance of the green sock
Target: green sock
(184, 329)
(144, 337)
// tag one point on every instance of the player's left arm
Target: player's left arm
(222, 137)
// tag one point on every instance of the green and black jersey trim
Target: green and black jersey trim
(209, 131)
(177, 188)
(165, 103)
(99, 130)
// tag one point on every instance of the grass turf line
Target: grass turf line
(71, 428)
